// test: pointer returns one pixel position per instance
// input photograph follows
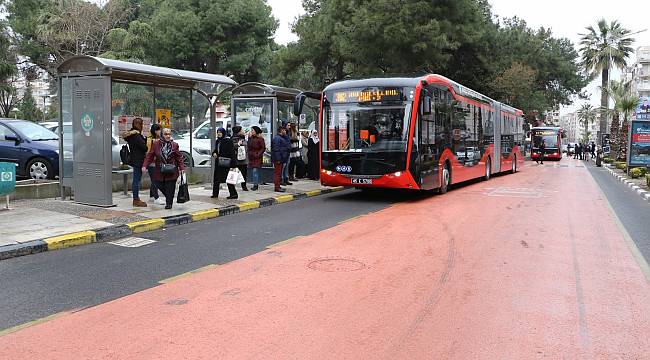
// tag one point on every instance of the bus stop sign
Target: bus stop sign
(7, 178)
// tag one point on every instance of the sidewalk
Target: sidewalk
(37, 220)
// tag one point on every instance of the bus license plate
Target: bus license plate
(362, 181)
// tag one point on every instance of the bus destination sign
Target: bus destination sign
(368, 95)
(544, 132)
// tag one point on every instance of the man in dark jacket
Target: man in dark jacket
(280, 148)
(138, 150)
(256, 149)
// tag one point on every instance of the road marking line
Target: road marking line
(132, 242)
(146, 225)
(631, 245)
(283, 198)
(249, 205)
(34, 322)
(351, 219)
(69, 240)
(180, 276)
(285, 241)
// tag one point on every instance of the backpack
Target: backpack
(125, 155)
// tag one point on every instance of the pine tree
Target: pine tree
(28, 108)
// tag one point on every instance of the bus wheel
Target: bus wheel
(446, 179)
(514, 164)
(488, 170)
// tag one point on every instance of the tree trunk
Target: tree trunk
(622, 139)
(613, 139)
(604, 104)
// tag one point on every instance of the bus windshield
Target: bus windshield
(550, 138)
(367, 128)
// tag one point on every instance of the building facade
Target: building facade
(569, 122)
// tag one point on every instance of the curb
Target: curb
(645, 195)
(116, 232)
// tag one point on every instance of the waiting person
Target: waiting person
(223, 149)
(138, 150)
(285, 165)
(304, 144)
(256, 149)
(593, 150)
(312, 156)
(576, 151)
(154, 134)
(168, 165)
(294, 156)
(239, 143)
(280, 149)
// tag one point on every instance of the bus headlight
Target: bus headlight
(398, 174)
(328, 172)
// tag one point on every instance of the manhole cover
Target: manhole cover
(336, 264)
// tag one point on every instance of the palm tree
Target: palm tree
(617, 91)
(601, 49)
(627, 105)
(587, 114)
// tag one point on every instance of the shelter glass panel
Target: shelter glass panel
(131, 101)
(66, 116)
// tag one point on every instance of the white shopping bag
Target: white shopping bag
(234, 177)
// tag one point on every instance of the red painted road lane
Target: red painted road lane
(530, 265)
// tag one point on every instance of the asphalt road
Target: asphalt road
(632, 210)
(523, 266)
(44, 284)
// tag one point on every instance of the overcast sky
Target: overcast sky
(567, 18)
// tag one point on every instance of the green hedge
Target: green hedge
(636, 173)
(647, 180)
(621, 165)
(608, 160)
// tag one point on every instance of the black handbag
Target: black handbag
(224, 162)
(183, 191)
(167, 168)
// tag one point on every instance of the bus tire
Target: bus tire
(514, 164)
(445, 180)
(488, 169)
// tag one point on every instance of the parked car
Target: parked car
(201, 149)
(50, 125)
(571, 148)
(31, 146)
(67, 143)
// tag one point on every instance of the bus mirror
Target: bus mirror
(426, 105)
(298, 103)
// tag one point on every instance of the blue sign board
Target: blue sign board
(640, 143)
(7, 178)
(643, 109)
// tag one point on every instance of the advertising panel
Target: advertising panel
(643, 108)
(640, 143)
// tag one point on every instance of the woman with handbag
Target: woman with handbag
(169, 164)
(224, 153)
(241, 149)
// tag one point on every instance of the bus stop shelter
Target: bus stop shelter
(268, 106)
(100, 98)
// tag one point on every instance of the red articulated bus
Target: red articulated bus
(552, 137)
(423, 133)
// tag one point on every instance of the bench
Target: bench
(125, 179)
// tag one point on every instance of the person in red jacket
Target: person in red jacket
(169, 164)
(256, 149)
